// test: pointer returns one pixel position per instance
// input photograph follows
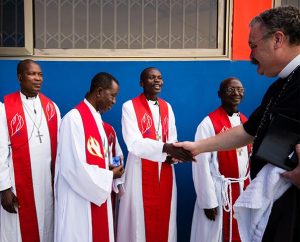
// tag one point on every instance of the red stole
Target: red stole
(228, 166)
(111, 138)
(157, 193)
(94, 156)
(18, 135)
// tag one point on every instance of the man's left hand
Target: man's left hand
(294, 175)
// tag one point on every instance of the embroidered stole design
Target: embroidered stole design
(18, 135)
(95, 156)
(228, 166)
(157, 192)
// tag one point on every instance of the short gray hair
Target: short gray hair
(284, 18)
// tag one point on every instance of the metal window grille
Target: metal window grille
(295, 3)
(126, 24)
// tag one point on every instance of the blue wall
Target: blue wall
(189, 86)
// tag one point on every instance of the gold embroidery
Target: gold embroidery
(93, 147)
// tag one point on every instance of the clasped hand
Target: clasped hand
(178, 153)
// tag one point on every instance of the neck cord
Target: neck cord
(272, 102)
(26, 108)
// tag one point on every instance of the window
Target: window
(12, 26)
(295, 3)
(127, 28)
(15, 33)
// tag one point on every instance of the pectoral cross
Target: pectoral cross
(39, 136)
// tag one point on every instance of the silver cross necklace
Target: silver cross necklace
(39, 135)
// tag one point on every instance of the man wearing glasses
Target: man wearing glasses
(215, 172)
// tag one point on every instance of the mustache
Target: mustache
(254, 61)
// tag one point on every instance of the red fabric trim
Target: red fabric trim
(100, 230)
(51, 118)
(157, 193)
(228, 166)
(17, 129)
(111, 137)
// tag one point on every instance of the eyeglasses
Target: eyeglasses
(253, 45)
(233, 90)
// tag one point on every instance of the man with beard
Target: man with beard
(215, 172)
(148, 207)
(274, 41)
(83, 180)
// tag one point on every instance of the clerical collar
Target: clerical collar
(154, 102)
(28, 98)
(290, 67)
(236, 114)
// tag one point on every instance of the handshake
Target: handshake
(177, 154)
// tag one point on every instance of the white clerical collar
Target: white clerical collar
(152, 102)
(290, 67)
(91, 107)
(24, 97)
(236, 114)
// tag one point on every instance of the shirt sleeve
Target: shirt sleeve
(202, 176)
(119, 151)
(119, 181)
(251, 125)
(5, 179)
(172, 126)
(254, 120)
(58, 115)
(88, 181)
(141, 147)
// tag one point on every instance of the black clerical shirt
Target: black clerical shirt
(284, 221)
(288, 104)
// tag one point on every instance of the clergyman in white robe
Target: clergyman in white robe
(131, 225)
(40, 154)
(77, 183)
(209, 187)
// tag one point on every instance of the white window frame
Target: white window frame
(223, 51)
(27, 50)
(277, 3)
